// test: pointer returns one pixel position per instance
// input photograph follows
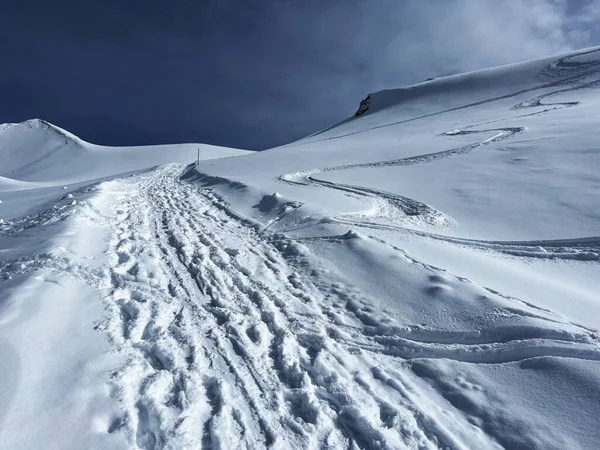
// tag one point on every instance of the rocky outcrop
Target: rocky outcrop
(364, 106)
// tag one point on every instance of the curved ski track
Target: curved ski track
(397, 208)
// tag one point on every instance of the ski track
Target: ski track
(394, 208)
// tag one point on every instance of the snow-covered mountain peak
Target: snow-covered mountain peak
(28, 127)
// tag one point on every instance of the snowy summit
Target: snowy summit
(424, 274)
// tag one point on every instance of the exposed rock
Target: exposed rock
(364, 106)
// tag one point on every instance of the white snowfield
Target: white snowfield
(426, 275)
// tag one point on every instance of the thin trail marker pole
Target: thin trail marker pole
(198, 158)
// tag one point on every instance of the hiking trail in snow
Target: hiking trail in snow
(235, 338)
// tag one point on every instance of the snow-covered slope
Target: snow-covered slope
(423, 275)
(36, 151)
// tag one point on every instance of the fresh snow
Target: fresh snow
(424, 275)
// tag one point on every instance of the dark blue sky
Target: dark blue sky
(252, 73)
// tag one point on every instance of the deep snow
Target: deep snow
(425, 275)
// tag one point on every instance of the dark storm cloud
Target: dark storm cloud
(252, 74)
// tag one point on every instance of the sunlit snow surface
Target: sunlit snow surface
(426, 275)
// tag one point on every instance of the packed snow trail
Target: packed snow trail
(239, 339)
(225, 345)
(404, 214)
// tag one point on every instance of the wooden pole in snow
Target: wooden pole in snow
(198, 158)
